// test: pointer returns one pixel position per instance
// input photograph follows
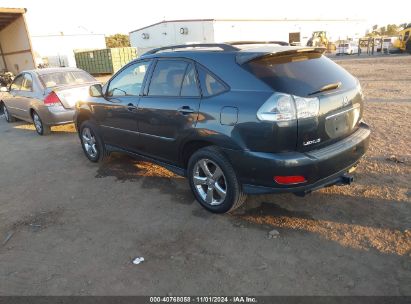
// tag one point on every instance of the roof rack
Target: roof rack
(282, 43)
(224, 46)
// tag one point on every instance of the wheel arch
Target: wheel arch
(193, 145)
(31, 111)
(190, 147)
(81, 116)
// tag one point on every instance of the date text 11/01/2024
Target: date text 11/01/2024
(207, 299)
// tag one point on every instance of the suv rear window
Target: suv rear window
(299, 74)
(65, 78)
(210, 85)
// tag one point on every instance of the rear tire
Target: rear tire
(41, 128)
(91, 142)
(214, 182)
(9, 118)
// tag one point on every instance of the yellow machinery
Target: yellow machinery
(318, 39)
(404, 40)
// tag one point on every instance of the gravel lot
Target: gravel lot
(70, 227)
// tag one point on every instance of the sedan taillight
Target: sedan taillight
(52, 100)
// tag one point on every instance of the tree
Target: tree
(388, 30)
(117, 40)
(392, 30)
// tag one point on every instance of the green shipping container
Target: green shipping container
(105, 61)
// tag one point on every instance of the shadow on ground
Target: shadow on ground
(125, 168)
(335, 217)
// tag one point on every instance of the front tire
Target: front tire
(41, 128)
(92, 143)
(9, 118)
(214, 182)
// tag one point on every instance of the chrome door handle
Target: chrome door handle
(131, 107)
(185, 110)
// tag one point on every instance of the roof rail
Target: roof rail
(283, 43)
(224, 46)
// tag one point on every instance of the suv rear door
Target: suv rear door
(168, 108)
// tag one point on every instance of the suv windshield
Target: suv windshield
(299, 74)
(65, 78)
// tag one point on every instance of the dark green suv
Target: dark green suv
(235, 119)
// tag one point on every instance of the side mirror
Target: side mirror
(96, 90)
(4, 89)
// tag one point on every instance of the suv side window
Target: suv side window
(210, 85)
(167, 78)
(16, 85)
(190, 85)
(129, 81)
(27, 84)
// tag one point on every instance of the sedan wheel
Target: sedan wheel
(37, 123)
(210, 182)
(41, 129)
(7, 115)
(89, 143)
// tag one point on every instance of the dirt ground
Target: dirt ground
(70, 227)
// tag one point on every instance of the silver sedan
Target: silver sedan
(46, 97)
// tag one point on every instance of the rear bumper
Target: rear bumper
(53, 116)
(321, 168)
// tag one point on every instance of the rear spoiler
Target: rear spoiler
(245, 57)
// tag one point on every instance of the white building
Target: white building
(223, 30)
(58, 50)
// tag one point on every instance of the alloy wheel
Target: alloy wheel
(6, 113)
(210, 182)
(89, 142)
(37, 123)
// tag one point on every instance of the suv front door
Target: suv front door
(116, 113)
(169, 107)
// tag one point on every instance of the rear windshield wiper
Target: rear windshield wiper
(327, 87)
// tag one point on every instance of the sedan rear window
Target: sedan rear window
(299, 74)
(65, 78)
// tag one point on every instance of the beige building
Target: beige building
(15, 46)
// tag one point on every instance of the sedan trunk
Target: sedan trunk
(69, 95)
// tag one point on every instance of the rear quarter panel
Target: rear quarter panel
(248, 133)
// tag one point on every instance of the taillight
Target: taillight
(289, 180)
(52, 99)
(284, 107)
